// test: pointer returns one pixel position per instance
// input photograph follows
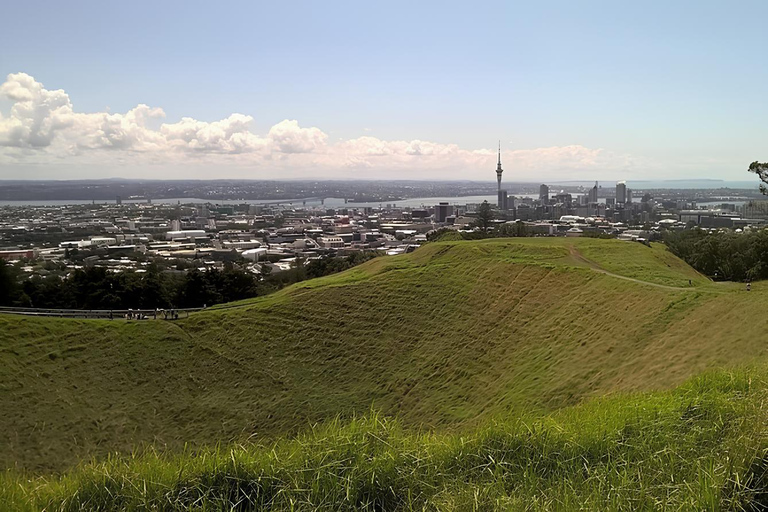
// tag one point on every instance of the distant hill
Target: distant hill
(449, 337)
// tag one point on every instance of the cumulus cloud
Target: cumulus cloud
(288, 137)
(42, 127)
(117, 131)
(36, 115)
(230, 135)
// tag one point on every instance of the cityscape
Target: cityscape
(125, 233)
(383, 256)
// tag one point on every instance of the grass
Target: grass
(444, 339)
(701, 446)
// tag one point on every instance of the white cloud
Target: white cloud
(118, 131)
(288, 137)
(36, 115)
(42, 128)
(230, 135)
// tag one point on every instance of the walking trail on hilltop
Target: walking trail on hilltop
(597, 268)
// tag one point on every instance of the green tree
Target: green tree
(511, 229)
(484, 216)
(7, 284)
(761, 169)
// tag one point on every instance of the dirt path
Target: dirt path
(597, 268)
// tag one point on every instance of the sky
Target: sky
(395, 90)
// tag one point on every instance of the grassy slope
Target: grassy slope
(451, 335)
(699, 447)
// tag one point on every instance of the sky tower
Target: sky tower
(499, 170)
(503, 203)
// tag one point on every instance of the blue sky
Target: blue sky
(603, 90)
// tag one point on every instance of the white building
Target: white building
(241, 244)
(185, 234)
(331, 241)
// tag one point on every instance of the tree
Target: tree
(761, 169)
(512, 229)
(484, 216)
(7, 284)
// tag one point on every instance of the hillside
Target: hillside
(699, 447)
(452, 335)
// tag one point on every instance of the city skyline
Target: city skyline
(575, 93)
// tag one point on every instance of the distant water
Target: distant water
(334, 202)
(672, 184)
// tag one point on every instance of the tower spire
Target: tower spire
(499, 170)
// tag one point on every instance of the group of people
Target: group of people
(138, 315)
(171, 314)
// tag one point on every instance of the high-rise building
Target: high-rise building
(564, 198)
(503, 205)
(442, 212)
(621, 192)
(592, 196)
(544, 193)
(629, 195)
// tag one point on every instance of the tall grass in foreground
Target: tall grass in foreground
(700, 447)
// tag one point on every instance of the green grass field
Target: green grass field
(699, 447)
(449, 339)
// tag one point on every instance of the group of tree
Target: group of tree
(506, 230)
(98, 288)
(483, 228)
(723, 254)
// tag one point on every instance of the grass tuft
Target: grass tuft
(701, 446)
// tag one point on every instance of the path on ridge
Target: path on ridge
(597, 268)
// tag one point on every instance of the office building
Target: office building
(621, 192)
(503, 200)
(442, 212)
(592, 195)
(544, 194)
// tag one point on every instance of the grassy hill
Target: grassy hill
(699, 447)
(451, 336)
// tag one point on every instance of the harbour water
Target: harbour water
(335, 202)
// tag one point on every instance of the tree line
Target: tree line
(98, 288)
(723, 254)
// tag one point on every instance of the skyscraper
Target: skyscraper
(443, 211)
(544, 193)
(503, 200)
(592, 195)
(621, 192)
